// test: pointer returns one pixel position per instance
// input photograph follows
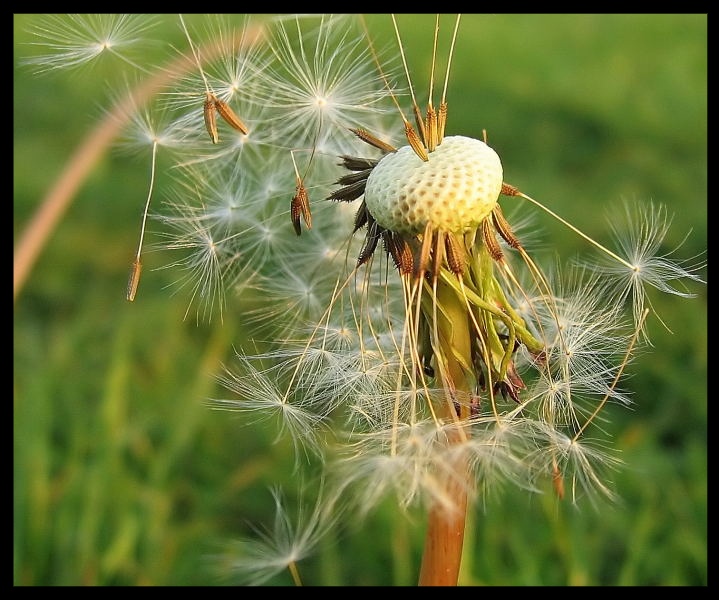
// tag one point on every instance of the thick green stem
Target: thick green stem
(445, 530)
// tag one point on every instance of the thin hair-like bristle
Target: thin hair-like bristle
(437, 253)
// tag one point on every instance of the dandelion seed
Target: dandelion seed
(322, 79)
(229, 116)
(134, 279)
(259, 393)
(71, 41)
(639, 232)
(210, 117)
(281, 547)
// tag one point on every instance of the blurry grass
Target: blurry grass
(122, 476)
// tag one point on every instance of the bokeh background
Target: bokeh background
(124, 476)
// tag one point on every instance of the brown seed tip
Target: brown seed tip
(211, 118)
(300, 207)
(134, 279)
(415, 142)
(509, 190)
(230, 117)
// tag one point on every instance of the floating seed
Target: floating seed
(368, 138)
(211, 118)
(134, 279)
(300, 207)
(229, 116)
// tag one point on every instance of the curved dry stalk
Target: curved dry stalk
(63, 191)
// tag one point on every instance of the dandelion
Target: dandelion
(456, 408)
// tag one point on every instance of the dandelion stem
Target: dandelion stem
(446, 524)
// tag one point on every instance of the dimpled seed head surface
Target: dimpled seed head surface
(453, 191)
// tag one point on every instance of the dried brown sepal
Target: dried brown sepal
(229, 116)
(511, 385)
(370, 243)
(490, 240)
(509, 190)
(370, 139)
(399, 250)
(432, 139)
(210, 116)
(134, 279)
(514, 378)
(441, 122)
(539, 358)
(356, 163)
(300, 207)
(354, 177)
(456, 256)
(361, 217)
(415, 142)
(349, 193)
(507, 390)
(504, 228)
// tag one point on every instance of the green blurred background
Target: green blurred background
(124, 476)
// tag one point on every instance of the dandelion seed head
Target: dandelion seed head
(453, 191)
